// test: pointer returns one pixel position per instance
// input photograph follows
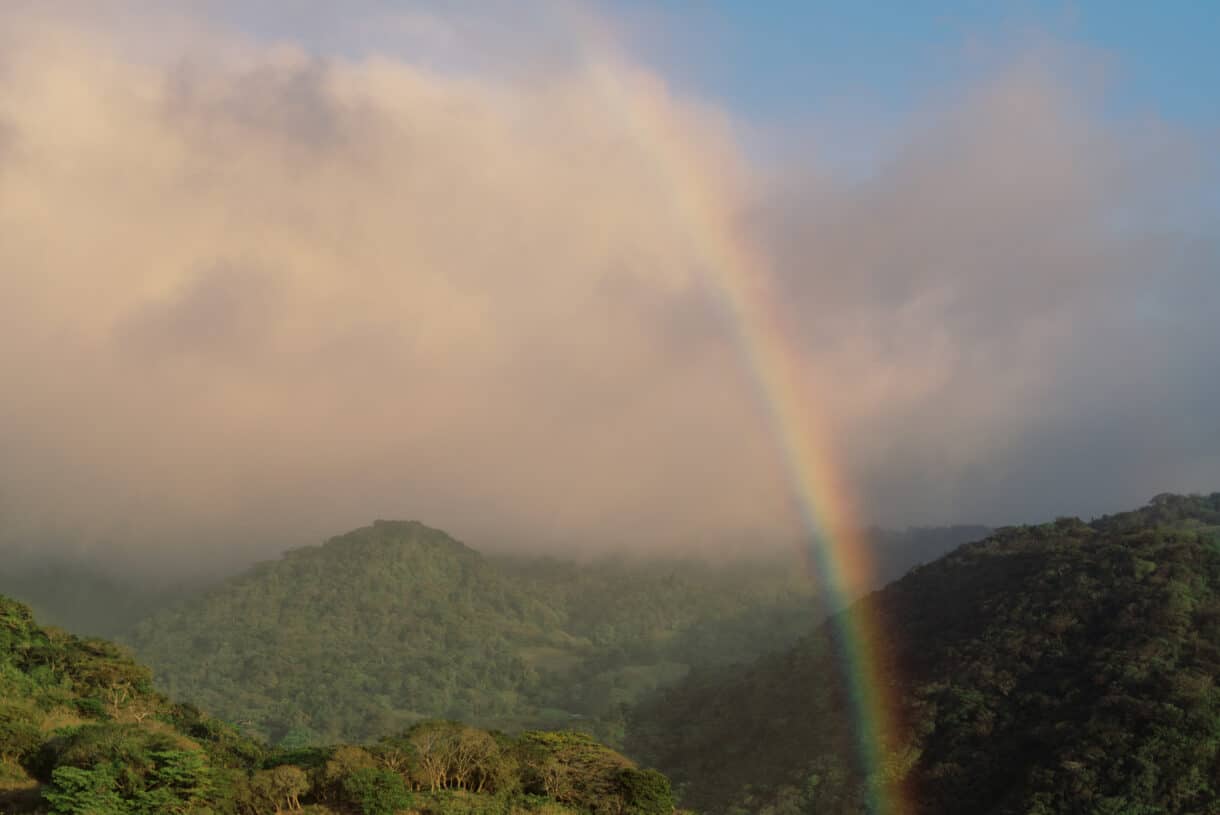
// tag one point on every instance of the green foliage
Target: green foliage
(574, 770)
(156, 783)
(135, 753)
(75, 791)
(19, 735)
(646, 792)
(1061, 668)
(179, 781)
(375, 791)
(147, 770)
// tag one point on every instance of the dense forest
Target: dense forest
(396, 623)
(1062, 668)
(1067, 667)
(82, 732)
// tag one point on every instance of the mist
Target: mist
(252, 295)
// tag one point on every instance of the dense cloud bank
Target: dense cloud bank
(250, 294)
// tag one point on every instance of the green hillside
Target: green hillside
(83, 733)
(1062, 668)
(397, 622)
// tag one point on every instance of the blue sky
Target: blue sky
(847, 74)
(784, 58)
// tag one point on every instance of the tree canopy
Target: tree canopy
(82, 732)
(1067, 667)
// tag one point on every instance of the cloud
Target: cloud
(277, 295)
(994, 288)
(253, 295)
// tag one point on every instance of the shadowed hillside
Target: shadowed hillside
(1066, 667)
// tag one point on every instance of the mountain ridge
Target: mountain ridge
(1059, 667)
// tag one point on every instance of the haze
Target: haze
(259, 287)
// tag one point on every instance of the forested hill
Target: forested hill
(397, 622)
(82, 732)
(1063, 668)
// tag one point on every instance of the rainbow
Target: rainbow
(701, 196)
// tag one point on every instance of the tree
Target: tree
(573, 769)
(343, 761)
(179, 781)
(376, 791)
(437, 745)
(646, 792)
(74, 791)
(19, 734)
(397, 753)
(474, 758)
(280, 785)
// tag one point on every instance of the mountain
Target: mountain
(82, 732)
(1062, 668)
(398, 622)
